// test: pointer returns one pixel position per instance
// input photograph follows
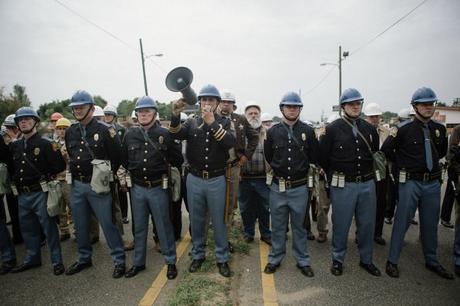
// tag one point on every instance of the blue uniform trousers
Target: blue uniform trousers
(83, 200)
(203, 196)
(457, 234)
(6, 246)
(254, 204)
(156, 202)
(292, 203)
(32, 215)
(426, 196)
(355, 199)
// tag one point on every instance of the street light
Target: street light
(339, 65)
(143, 58)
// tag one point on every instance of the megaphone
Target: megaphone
(179, 79)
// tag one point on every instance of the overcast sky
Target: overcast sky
(258, 49)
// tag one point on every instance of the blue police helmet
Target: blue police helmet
(350, 95)
(26, 111)
(424, 95)
(81, 97)
(291, 98)
(209, 91)
(145, 102)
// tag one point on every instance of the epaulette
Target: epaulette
(401, 124)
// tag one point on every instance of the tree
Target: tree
(386, 116)
(9, 104)
(125, 107)
(61, 106)
(100, 101)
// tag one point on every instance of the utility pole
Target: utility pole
(340, 71)
(143, 68)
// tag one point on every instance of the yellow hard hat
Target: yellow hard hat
(63, 122)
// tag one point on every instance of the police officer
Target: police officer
(290, 147)
(147, 153)
(7, 252)
(110, 117)
(416, 147)
(86, 141)
(208, 142)
(348, 162)
(36, 160)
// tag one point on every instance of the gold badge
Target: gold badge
(37, 151)
(96, 137)
(304, 136)
(161, 139)
(112, 132)
(438, 133)
(394, 131)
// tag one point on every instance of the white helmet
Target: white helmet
(372, 109)
(183, 117)
(266, 117)
(251, 104)
(9, 121)
(98, 112)
(227, 95)
(404, 113)
(411, 111)
(110, 110)
(133, 115)
(332, 118)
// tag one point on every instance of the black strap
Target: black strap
(154, 145)
(83, 137)
(295, 139)
(360, 134)
(42, 176)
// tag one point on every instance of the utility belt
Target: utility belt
(207, 174)
(151, 184)
(289, 184)
(339, 179)
(417, 176)
(42, 186)
(82, 178)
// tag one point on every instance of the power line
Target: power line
(320, 82)
(105, 31)
(388, 28)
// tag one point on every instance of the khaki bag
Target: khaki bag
(175, 184)
(100, 180)
(54, 198)
(4, 179)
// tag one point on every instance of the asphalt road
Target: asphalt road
(95, 286)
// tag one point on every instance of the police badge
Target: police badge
(96, 137)
(161, 140)
(394, 131)
(304, 136)
(112, 132)
(438, 133)
(36, 151)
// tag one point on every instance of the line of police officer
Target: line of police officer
(345, 153)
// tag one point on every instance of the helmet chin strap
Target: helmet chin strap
(416, 111)
(295, 119)
(147, 124)
(84, 117)
(30, 130)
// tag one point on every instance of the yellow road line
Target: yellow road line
(268, 281)
(154, 291)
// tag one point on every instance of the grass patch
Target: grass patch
(205, 287)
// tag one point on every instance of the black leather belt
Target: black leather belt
(359, 178)
(205, 174)
(29, 188)
(424, 177)
(82, 178)
(292, 183)
(146, 183)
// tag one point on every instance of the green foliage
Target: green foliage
(100, 101)
(164, 110)
(125, 107)
(10, 103)
(386, 116)
(45, 110)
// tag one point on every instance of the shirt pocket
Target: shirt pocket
(134, 154)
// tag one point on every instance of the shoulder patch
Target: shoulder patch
(112, 132)
(394, 131)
